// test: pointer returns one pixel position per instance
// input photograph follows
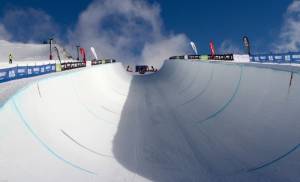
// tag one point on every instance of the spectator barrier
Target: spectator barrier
(19, 72)
(72, 65)
(104, 61)
(276, 58)
(218, 57)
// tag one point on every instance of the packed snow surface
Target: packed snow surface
(191, 121)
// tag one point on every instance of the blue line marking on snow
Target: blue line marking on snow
(275, 160)
(43, 143)
(50, 76)
(228, 102)
(203, 91)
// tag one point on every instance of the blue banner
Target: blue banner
(7, 74)
(276, 58)
(19, 72)
(3, 75)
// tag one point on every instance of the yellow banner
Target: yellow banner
(58, 67)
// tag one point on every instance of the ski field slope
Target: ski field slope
(23, 52)
(191, 121)
(32, 54)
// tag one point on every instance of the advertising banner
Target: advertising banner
(19, 72)
(246, 45)
(58, 67)
(276, 58)
(212, 48)
(198, 57)
(82, 52)
(217, 57)
(96, 62)
(194, 47)
(3, 75)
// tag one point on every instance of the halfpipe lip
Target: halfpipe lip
(277, 67)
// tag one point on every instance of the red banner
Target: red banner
(212, 48)
(82, 52)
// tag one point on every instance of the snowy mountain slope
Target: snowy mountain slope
(27, 53)
(23, 52)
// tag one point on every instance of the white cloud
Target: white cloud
(228, 46)
(4, 35)
(128, 30)
(29, 25)
(164, 48)
(289, 38)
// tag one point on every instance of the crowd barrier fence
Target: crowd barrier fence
(18, 72)
(276, 58)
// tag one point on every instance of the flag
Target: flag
(212, 48)
(246, 45)
(194, 47)
(94, 53)
(82, 52)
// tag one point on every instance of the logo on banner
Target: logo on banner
(271, 58)
(48, 68)
(36, 69)
(296, 56)
(278, 57)
(11, 74)
(21, 70)
(2, 74)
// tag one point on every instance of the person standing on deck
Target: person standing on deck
(10, 58)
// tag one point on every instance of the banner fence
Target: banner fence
(276, 58)
(72, 65)
(19, 72)
(216, 57)
(103, 61)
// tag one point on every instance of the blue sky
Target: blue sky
(224, 21)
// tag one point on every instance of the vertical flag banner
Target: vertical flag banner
(246, 45)
(194, 47)
(82, 52)
(94, 53)
(212, 48)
